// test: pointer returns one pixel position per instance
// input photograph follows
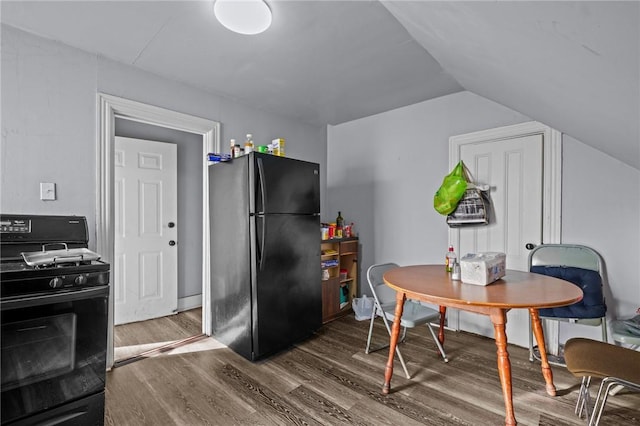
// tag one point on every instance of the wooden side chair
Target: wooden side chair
(616, 365)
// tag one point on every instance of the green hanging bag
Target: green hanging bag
(451, 191)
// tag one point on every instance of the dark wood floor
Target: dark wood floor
(328, 380)
(139, 337)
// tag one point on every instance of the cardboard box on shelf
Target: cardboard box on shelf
(278, 147)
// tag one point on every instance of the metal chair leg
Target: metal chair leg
(404, 365)
(584, 399)
(531, 357)
(601, 401)
(386, 323)
(438, 344)
(603, 393)
(404, 335)
(373, 317)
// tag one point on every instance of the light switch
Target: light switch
(47, 191)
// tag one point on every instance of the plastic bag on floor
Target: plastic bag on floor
(632, 325)
(362, 307)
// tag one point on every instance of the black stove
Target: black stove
(27, 234)
(54, 303)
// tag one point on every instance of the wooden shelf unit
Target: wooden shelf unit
(344, 253)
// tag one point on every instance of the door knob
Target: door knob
(530, 246)
(172, 243)
(171, 224)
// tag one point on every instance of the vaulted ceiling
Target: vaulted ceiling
(573, 65)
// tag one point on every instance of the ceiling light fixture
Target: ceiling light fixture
(243, 16)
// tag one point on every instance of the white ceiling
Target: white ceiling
(571, 65)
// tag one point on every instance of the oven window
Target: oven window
(37, 349)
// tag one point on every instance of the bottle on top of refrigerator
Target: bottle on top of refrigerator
(248, 145)
(233, 146)
(450, 259)
(237, 151)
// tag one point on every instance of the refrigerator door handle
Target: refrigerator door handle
(263, 189)
(263, 231)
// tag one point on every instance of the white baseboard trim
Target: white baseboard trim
(189, 302)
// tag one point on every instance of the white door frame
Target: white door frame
(551, 187)
(109, 107)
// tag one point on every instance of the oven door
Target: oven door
(53, 350)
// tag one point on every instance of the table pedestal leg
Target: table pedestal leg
(546, 369)
(443, 314)
(395, 333)
(499, 320)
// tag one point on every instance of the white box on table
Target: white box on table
(482, 268)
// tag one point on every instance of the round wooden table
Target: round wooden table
(525, 290)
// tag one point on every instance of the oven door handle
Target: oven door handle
(56, 297)
(63, 418)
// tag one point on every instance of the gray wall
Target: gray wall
(189, 223)
(49, 121)
(600, 205)
(384, 170)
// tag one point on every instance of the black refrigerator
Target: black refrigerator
(265, 252)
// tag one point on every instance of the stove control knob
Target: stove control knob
(80, 280)
(55, 282)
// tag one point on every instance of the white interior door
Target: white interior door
(145, 267)
(513, 168)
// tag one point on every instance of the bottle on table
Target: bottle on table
(233, 146)
(455, 271)
(339, 225)
(450, 259)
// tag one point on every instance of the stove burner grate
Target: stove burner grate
(64, 264)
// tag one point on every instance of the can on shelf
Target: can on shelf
(332, 230)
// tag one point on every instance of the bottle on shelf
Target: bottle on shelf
(248, 144)
(233, 148)
(450, 259)
(339, 225)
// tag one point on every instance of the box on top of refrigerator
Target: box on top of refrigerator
(482, 268)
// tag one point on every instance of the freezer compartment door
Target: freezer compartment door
(287, 292)
(285, 185)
